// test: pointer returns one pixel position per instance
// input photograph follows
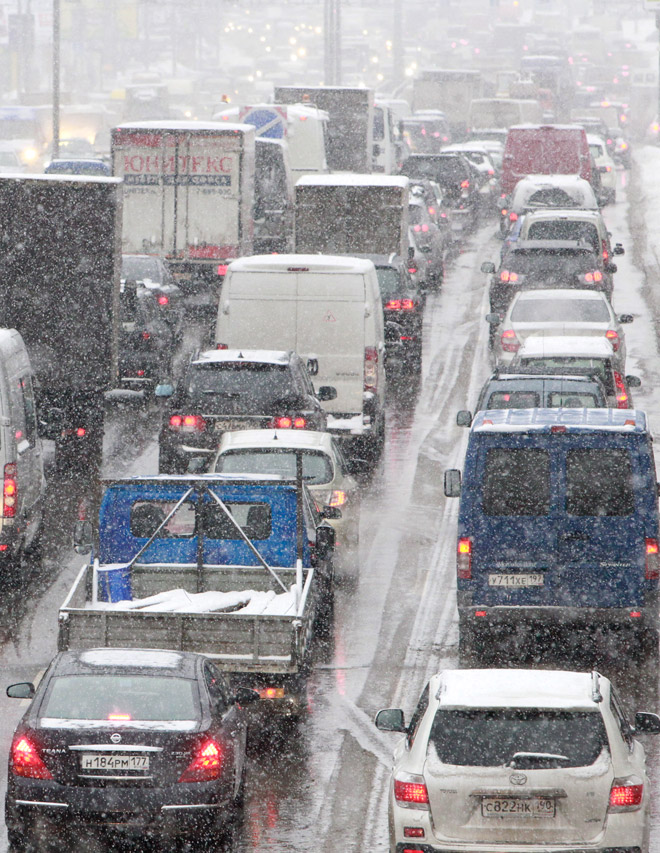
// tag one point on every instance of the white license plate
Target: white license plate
(517, 807)
(96, 761)
(515, 580)
(227, 426)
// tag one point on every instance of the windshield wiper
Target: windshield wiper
(528, 758)
(230, 395)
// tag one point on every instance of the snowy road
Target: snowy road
(323, 786)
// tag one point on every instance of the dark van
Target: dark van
(558, 522)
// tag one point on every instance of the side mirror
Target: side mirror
(376, 150)
(647, 723)
(164, 390)
(634, 381)
(325, 541)
(331, 512)
(618, 250)
(326, 392)
(611, 268)
(426, 250)
(391, 720)
(23, 690)
(453, 483)
(488, 267)
(493, 319)
(464, 418)
(246, 696)
(312, 366)
(411, 252)
(626, 318)
(83, 537)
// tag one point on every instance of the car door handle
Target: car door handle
(574, 537)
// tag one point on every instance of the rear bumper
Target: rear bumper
(575, 617)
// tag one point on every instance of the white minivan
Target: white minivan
(328, 309)
(21, 459)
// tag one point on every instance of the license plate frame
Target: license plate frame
(111, 762)
(226, 426)
(532, 807)
(516, 580)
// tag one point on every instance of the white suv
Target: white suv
(525, 760)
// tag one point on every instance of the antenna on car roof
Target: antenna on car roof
(596, 695)
(240, 355)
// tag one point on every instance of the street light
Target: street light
(56, 80)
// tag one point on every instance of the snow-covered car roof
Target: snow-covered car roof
(564, 294)
(301, 263)
(552, 213)
(217, 356)
(560, 420)
(518, 688)
(577, 188)
(276, 439)
(578, 346)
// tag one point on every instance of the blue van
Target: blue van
(558, 522)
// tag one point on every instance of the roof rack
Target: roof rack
(596, 695)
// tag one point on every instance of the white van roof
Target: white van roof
(560, 420)
(301, 263)
(348, 179)
(266, 356)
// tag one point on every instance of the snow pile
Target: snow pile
(245, 602)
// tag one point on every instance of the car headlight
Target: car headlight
(29, 155)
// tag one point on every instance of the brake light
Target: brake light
(652, 572)
(393, 305)
(26, 761)
(206, 765)
(613, 337)
(337, 498)
(621, 393)
(413, 832)
(271, 692)
(121, 717)
(509, 341)
(176, 421)
(9, 491)
(506, 275)
(626, 795)
(419, 228)
(596, 275)
(163, 300)
(188, 423)
(513, 216)
(222, 269)
(370, 369)
(465, 185)
(412, 270)
(81, 432)
(464, 559)
(432, 211)
(504, 211)
(299, 422)
(411, 791)
(606, 254)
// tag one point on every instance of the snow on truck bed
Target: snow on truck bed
(246, 602)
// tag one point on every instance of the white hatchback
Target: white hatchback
(521, 760)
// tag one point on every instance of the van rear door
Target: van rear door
(261, 309)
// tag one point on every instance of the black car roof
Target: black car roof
(134, 661)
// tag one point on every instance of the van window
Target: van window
(29, 408)
(514, 400)
(599, 483)
(516, 482)
(573, 400)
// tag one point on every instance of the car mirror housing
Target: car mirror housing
(634, 381)
(83, 536)
(23, 690)
(326, 392)
(246, 696)
(493, 319)
(488, 267)
(464, 418)
(626, 318)
(452, 483)
(618, 250)
(647, 723)
(391, 720)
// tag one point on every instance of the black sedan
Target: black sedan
(129, 741)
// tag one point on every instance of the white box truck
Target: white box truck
(188, 197)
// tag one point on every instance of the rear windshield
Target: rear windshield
(573, 400)
(139, 269)
(554, 263)
(317, 467)
(558, 310)
(442, 169)
(492, 737)
(240, 387)
(599, 483)
(514, 400)
(598, 367)
(554, 197)
(516, 482)
(564, 229)
(389, 281)
(121, 698)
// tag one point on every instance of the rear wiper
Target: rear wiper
(528, 758)
(230, 395)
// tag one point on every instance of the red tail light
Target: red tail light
(163, 300)
(621, 393)
(504, 211)
(412, 270)
(419, 228)
(613, 337)
(283, 422)
(221, 346)
(506, 275)
(465, 185)
(370, 369)
(606, 254)
(26, 761)
(596, 275)
(9, 491)
(222, 269)
(652, 572)
(464, 559)
(411, 791)
(513, 216)
(626, 795)
(81, 432)
(509, 341)
(187, 423)
(393, 305)
(206, 765)
(299, 422)
(146, 336)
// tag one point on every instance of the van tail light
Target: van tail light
(400, 305)
(606, 254)
(613, 337)
(9, 491)
(410, 791)
(299, 422)
(507, 275)
(652, 572)
(337, 498)
(509, 341)
(621, 393)
(513, 216)
(187, 423)
(222, 269)
(626, 794)
(206, 765)
(221, 346)
(464, 559)
(370, 369)
(593, 276)
(25, 760)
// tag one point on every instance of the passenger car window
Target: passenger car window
(216, 686)
(418, 713)
(486, 737)
(516, 482)
(514, 400)
(619, 715)
(599, 483)
(571, 400)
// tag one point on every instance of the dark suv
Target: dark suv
(151, 272)
(456, 178)
(225, 390)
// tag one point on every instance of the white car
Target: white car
(518, 760)
(273, 452)
(557, 312)
(605, 165)
(536, 192)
